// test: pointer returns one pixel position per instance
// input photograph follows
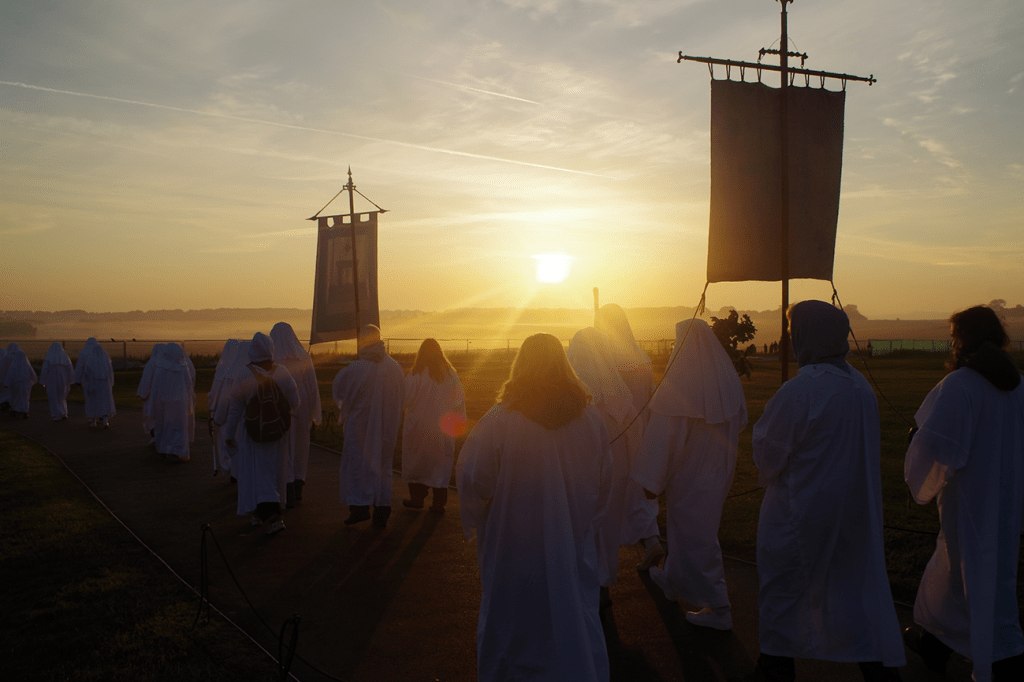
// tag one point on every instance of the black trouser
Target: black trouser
(418, 493)
(268, 510)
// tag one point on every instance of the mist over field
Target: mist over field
(481, 327)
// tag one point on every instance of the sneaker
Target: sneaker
(719, 619)
(652, 556)
(275, 527)
(256, 521)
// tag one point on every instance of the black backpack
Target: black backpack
(268, 414)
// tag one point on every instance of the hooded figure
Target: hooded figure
(95, 373)
(689, 453)
(55, 374)
(256, 465)
(288, 351)
(820, 558)
(5, 360)
(627, 357)
(435, 413)
(967, 455)
(534, 478)
(218, 400)
(369, 394)
(173, 404)
(146, 386)
(18, 380)
(627, 520)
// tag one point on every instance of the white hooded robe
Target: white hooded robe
(18, 380)
(172, 403)
(434, 413)
(95, 373)
(290, 353)
(369, 394)
(689, 453)
(55, 374)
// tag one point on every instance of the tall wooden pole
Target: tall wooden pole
(784, 193)
(355, 260)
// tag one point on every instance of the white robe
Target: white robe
(256, 465)
(969, 453)
(55, 374)
(689, 453)
(629, 516)
(534, 499)
(434, 413)
(307, 413)
(820, 556)
(18, 380)
(146, 386)
(95, 373)
(5, 361)
(369, 396)
(218, 399)
(172, 404)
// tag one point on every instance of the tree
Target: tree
(731, 331)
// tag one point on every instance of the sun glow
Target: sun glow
(553, 267)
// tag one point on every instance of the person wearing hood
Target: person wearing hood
(689, 453)
(590, 356)
(18, 381)
(968, 455)
(534, 478)
(5, 394)
(256, 465)
(435, 413)
(172, 404)
(218, 399)
(369, 394)
(146, 386)
(288, 351)
(95, 373)
(824, 592)
(55, 374)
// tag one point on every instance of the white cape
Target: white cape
(820, 556)
(534, 498)
(969, 453)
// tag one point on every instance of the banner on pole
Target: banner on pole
(745, 238)
(335, 292)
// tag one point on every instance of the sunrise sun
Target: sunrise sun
(553, 267)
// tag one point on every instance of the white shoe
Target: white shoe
(275, 527)
(256, 521)
(719, 619)
(652, 556)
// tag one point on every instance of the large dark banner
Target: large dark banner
(334, 294)
(744, 240)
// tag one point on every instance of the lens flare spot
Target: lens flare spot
(453, 423)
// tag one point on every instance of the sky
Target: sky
(167, 155)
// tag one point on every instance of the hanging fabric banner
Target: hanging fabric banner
(744, 240)
(334, 293)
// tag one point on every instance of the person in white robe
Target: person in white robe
(824, 592)
(689, 453)
(288, 351)
(95, 373)
(146, 386)
(435, 414)
(173, 404)
(534, 477)
(256, 465)
(5, 402)
(634, 366)
(217, 401)
(55, 375)
(18, 380)
(590, 357)
(369, 394)
(968, 454)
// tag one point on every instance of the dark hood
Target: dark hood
(996, 365)
(819, 331)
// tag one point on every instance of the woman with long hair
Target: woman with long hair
(534, 478)
(435, 414)
(966, 455)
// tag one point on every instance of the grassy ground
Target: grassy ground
(84, 601)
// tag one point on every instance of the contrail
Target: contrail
(290, 126)
(470, 88)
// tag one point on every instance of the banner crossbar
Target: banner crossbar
(771, 67)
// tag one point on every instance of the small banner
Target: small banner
(335, 295)
(744, 240)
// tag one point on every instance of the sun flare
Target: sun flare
(553, 267)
